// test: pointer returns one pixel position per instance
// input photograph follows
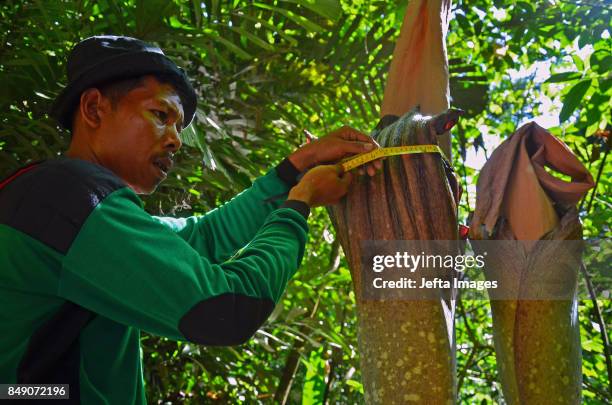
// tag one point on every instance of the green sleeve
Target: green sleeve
(224, 230)
(128, 267)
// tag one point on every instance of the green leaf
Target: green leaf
(601, 61)
(314, 384)
(465, 25)
(190, 137)
(330, 9)
(241, 53)
(563, 77)
(605, 84)
(578, 62)
(573, 98)
(355, 385)
(585, 38)
(271, 27)
(298, 19)
(253, 38)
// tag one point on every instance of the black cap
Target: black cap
(101, 59)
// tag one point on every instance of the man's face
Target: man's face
(138, 138)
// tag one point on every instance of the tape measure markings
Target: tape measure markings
(356, 161)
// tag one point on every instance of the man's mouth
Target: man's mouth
(164, 164)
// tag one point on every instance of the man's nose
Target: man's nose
(173, 140)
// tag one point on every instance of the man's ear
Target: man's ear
(92, 107)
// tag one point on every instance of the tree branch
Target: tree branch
(599, 172)
(475, 343)
(334, 360)
(602, 325)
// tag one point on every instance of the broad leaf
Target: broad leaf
(573, 97)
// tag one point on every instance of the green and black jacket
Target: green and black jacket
(83, 269)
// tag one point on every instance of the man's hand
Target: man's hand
(333, 147)
(321, 185)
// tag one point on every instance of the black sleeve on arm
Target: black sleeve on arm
(287, 172)
(299, 206)
(234, 318)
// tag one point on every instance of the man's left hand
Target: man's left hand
(333, 147)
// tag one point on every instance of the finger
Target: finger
(361, 171)
(378, 164)
(354, 147)
(371, 171)
(361, 137)
(352, 134)
(346, 179)
(339, 169)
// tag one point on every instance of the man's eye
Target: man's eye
(161, 115)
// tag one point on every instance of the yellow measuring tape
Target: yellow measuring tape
(356, 161)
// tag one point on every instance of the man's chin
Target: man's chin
(142, 189)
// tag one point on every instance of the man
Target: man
(84, 268)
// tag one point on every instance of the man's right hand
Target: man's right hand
(321, 185)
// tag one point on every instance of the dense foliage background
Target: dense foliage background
(266, 71)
